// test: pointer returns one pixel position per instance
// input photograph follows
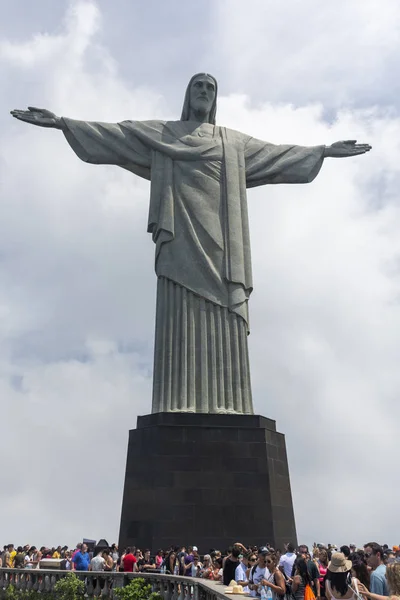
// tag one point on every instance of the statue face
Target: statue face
(202, 94)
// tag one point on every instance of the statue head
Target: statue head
(200, 99)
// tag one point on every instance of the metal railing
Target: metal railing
(101, 584)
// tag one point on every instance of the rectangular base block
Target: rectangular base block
(206, 480)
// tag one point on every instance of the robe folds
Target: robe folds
(199, 223)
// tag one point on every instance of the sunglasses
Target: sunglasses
(252, 559)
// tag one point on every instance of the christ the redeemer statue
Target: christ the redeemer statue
(198, 218)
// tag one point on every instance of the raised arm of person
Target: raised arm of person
(279, 587)
(367, 594)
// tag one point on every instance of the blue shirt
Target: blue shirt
(379, 582)
(81, 561)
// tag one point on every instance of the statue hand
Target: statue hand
(38, 116)
(346, 148)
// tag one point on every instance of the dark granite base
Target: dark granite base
(207, 480)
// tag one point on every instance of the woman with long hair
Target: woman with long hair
(275, 580)
(360, 569)
(393, 579)
(301, 579)
(216, 573)
(322, 564)
(207, 567)
(171, 563)
(340, 585)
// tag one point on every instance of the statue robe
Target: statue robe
(198, 219)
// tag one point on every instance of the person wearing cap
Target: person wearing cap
(339, 583)
(259, 572)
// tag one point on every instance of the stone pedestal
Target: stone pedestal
(206, 480)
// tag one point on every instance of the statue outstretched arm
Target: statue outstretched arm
(346, 148)
(269, 163)
(38, 116)
(96, 142)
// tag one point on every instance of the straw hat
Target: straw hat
(339, 564)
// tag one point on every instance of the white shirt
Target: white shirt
(287, 562)
(257, 576)
(97, 563)
(240, 575)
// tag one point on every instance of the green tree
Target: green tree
(137, 589)
(69, 587)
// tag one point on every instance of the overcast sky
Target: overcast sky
(77, 286)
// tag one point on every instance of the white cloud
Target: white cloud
(340, 53)
(77, 286)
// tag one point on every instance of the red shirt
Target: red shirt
(129, 561)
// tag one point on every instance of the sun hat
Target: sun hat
(339, 563)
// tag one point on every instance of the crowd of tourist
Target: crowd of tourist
(371, 572)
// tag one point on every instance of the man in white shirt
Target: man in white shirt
(259, 572)
(287, 560)
(97, 563)
(240, 572)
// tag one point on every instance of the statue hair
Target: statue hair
(186, 103)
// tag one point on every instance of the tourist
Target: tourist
(171, 563)
(188, 561)
(77, 549)
(359, 569)
(181, 558)
(98, 563)
(312, 569)
(65, 563)
(109, 561)
(259, 571)
(275, 580)
(28, 558)
(287, 560)
(374, 556)
(393, 581)
(322, 566)
(196, 567)
(241, 572)
(207, 567)
(159, 559)
(129, 561)
(146, 563)
(345, 550)
(81, 559)
(301, 578)
(19, 559)
(230, 565)
(340, 585)
(57, 552)
(114, 555)
(216, 574)
(12, 553)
